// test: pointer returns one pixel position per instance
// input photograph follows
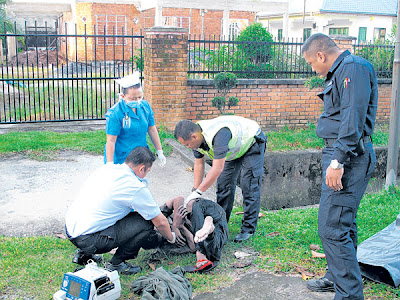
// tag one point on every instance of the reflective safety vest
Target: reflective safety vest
(243, 131)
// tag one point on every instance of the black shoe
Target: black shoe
(124, 268)
(82, 259)
(243, 236)
(320, 285)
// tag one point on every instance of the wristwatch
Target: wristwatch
(336, 165)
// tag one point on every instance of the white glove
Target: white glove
(161, 158)
(194, 195)
(173, 238)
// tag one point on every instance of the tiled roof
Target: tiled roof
(370, 7)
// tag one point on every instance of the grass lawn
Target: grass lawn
(34, 266)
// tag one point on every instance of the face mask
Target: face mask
(133, 104)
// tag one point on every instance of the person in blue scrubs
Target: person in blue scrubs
(128, 122)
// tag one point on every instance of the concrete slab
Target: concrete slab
(260, 285)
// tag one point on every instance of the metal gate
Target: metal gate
(54, 75)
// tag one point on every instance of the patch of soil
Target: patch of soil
(38, 58)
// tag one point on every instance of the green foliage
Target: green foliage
(233, 101)
(218, 102)
(380, 55)
(6, 24)
(315, 82)
(137, 59)
(224, 82)
(42, 145)
(256, 44)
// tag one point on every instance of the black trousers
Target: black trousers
(129, 234)
(337, 222)
(251, 168)
(212, 246)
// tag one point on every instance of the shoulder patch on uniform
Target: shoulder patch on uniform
(346, 82)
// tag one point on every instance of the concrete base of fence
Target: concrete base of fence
(72, 126)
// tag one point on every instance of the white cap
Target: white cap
(129, 80)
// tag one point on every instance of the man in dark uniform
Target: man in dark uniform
(348, 159)
(235, 144)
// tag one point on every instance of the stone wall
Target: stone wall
(294, 178)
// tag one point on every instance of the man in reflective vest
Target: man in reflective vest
(235, 145)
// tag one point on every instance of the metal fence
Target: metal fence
(270, 59)
(54, 75)
(247, 59)
(380, 55)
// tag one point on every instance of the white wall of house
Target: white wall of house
(323, 22)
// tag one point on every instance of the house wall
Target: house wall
(198, 21)
(322, 22)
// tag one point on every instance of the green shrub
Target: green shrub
(224, 82)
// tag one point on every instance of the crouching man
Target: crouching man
(116, 209)
(203, 224)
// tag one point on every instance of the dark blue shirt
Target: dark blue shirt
(350, 104)
(220, 144)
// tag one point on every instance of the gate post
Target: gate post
(165, 73)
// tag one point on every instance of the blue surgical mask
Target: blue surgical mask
(133, 104)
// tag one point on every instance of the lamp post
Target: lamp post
(394, 128)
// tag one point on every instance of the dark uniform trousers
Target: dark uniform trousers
(129, 234)
(251, 165)
(337, 222)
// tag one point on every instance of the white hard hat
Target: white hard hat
(129, 80)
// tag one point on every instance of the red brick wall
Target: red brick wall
(165, 58)
(212, 20)
(273, 106)
(86, 20)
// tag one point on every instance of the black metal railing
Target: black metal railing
(247, 59)
(379, 54)
(55, 75)
(270, 59)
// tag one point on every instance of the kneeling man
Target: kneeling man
(115, 209)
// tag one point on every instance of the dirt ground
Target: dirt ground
(35, 195)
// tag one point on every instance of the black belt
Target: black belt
(329, 142)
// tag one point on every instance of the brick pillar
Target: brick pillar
(344, 42)
(165, 73)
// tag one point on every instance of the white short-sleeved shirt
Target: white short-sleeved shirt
(107, 196)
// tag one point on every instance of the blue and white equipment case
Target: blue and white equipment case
(90, 283)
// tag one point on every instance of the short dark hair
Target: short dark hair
(319, 42)
(136, 86)
(185, 128)
(140, 155)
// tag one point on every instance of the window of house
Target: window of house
(379, 34)
(280, 34)
(340, 30)
(181, 22)
(362, 34)
(234, 29)
(111, 25)
(306, 33)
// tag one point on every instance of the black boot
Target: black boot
(81, 258)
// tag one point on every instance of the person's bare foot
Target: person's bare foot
(205, 231)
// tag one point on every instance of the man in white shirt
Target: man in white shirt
(116, 209)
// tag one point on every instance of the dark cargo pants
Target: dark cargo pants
(129, 234)
(251, 166)
(337, 222)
